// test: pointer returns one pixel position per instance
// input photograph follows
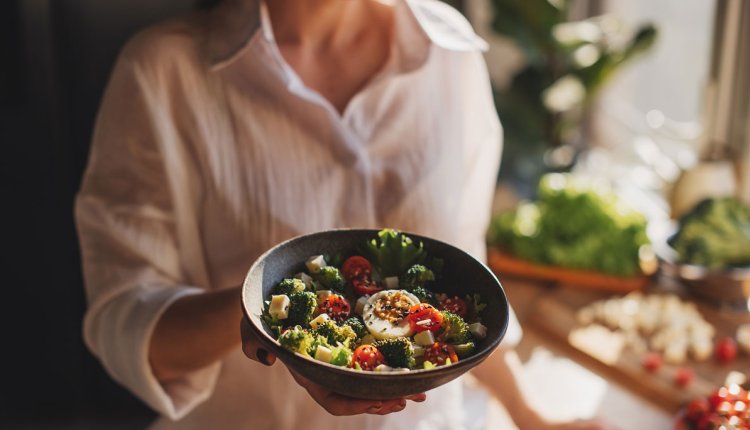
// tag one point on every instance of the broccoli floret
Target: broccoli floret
(330, 278)
(424, 295)
(455, 328)
(417, 276)
(296, 340)
(465, 349)
(474, 302)
(335, 334)
(397, 352)
(341, 356)
(289, 286)
(716, 234)
(358, 326)
(302, 306)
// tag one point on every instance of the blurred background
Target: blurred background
(649, 98)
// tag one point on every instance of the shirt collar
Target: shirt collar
(419, 23)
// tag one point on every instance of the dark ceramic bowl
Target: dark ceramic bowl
(462, 274)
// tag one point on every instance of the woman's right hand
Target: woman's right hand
(334, 403)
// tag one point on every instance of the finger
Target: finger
(251, 347)
(336, 404)
(393, 406)
(421, 397)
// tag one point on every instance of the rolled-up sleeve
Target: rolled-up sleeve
(129, 243)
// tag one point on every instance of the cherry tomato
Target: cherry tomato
(423, 317)
(439, 352)
(336, 306)
(684, 376)
(696, 409)
(652, 362)
(726, 350)
(710, 421)
(365, 287)
(454, 305)
(718, 396)
(368, 357)
(356, 267)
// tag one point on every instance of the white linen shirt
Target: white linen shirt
(209, 149)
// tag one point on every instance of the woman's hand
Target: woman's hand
(252, 347)
(335, 404)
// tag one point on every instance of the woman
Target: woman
(228, 131)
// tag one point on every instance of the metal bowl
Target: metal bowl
(729, 286)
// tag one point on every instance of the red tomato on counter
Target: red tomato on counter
(726, 350)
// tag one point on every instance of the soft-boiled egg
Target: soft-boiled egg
(385, 314)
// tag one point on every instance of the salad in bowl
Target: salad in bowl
(397, 312)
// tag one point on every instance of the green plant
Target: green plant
(566, 65)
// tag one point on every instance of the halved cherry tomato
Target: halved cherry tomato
(684, 376)
(423, 317)
(726, 350)
(454, 305)
(368, 357)
(652, 362)
(356, 267)
(439, 352)
(336, 306)
(696, 409)
(365, 287)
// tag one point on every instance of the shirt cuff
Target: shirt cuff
(118, 330)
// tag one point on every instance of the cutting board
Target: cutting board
(553, 314)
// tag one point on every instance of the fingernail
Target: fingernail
(262, 356)
(375, 408)
(421, 398)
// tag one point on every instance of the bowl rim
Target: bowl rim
(269, 342)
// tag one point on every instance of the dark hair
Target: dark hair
(206, 4)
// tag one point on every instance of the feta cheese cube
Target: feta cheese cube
(424, 338)
(304, 277)
(418, 350)
(315, 263)
(383, 368)
(391, 282)
(323, 294)
(279, 307)
(323, 354)
(478, 330)
(320, 319)
(701, 348)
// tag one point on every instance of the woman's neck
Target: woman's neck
(316, 23)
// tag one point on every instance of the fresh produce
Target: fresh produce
(683, 376)
(574, 224)
(715, 234)
(727, 408)
(726, 350)
(375, 313)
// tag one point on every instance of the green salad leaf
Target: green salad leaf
(393, 252)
